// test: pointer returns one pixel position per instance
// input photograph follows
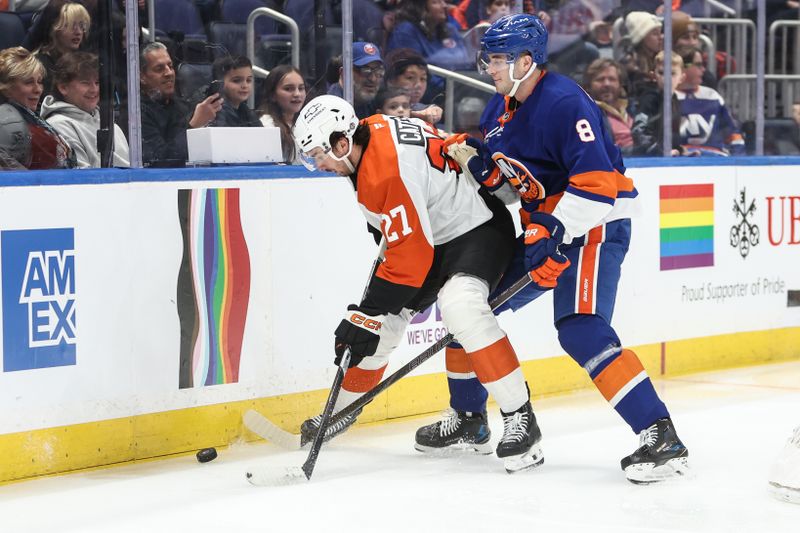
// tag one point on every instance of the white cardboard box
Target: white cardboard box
(234, 145)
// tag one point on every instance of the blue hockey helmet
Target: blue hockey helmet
(513, 34)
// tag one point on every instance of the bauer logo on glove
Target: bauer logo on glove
(543, 259)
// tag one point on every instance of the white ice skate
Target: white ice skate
(784, 478)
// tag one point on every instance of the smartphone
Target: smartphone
(215, 87)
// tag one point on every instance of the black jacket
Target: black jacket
(232, 117)
(164, 126)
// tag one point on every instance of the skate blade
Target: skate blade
(275, 476)
(647, 473)
(784, 493)
(526, 461)
(459, 448)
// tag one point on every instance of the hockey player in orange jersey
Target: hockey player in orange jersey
(446, 241)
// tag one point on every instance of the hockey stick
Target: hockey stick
(294, 474)
(264, 428)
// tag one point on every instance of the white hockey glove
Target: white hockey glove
(471, 154)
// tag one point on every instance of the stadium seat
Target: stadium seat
(239, 10)
(192, 76)
(12, 30)
(227, 38)
(179, 16)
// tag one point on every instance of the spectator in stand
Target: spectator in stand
(643, 40)
(647, 129)
(494, 10)
(73, 110)
(423, 26)
(236, 73)
(283, 98)
(568, 24)
(601, 36)
(26, 141)
(166, 117)
(408, 70)
(707, 126)
(25, 6)
(685, 33)
(62, 28)
(368, 73)
(604, 81)
(394, 102)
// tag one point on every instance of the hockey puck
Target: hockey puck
(207, 454)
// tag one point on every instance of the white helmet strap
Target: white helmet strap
(346, 157)
(518, 82)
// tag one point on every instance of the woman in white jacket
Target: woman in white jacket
(72, 109)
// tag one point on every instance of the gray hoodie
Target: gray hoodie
(79, 129)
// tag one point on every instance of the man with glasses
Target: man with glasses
(368, 72)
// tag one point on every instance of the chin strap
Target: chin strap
(517, 83)
(346, 157)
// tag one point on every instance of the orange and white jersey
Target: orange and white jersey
(417, 197)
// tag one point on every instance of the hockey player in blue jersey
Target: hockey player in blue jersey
(545, 144)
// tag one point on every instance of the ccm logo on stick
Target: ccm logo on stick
(368, 323)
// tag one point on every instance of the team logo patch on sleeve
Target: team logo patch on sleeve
(529, 188)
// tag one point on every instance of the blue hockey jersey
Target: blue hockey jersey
(554, 149)
(707, 124)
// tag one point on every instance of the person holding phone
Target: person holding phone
(165, 116)
(233, 81)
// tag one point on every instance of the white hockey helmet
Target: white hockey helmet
(318, 120)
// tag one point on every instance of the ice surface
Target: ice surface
(371, 479)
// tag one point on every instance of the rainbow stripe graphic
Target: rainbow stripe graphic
(687, 226)
(213, 287)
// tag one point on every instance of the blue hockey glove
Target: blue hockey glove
(543, 259)
(471, 154)
(361, 332)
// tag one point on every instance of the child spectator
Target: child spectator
(236, 73)
(393, 101)
(62, 28)
(647, 129)
(26, 141)
(73, 110)
(408, 70)
(496, 9)
(283, 97)
(707, 126)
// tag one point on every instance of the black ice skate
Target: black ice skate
(310, 428)
(519, 446)
(458, 431)
(661, 455)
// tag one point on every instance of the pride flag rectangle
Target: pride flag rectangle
(686, 220)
